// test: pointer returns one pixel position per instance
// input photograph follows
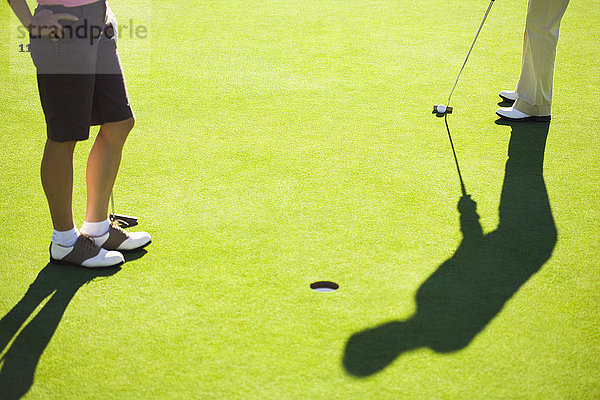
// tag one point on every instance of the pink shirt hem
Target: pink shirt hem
(66, 3)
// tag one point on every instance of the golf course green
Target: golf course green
(279, 143)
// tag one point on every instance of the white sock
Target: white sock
(95, 228)
(65, 238)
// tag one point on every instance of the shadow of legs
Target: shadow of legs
(20, 360)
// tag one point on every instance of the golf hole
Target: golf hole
(324, 287)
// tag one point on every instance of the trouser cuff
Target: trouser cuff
(537, 111)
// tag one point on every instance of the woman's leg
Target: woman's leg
(57, 181)
(103, 165)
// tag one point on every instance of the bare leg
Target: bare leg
(103, 165)
(57, 181)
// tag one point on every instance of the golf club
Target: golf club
(446, 109)
(124, 221)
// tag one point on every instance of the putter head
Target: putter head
(124, 221)
(439, 114)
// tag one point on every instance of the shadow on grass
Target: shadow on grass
(468, 290)
(21, 342)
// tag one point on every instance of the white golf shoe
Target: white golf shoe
(84, 253)
(514, 115)
(510, 96)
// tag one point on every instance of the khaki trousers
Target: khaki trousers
(534, 89)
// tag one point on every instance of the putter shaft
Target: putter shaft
(469, 53)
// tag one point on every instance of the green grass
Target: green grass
(278, 143)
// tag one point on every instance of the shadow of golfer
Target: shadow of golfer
(57, 284)
(468, 290)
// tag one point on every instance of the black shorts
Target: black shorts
(80, 77)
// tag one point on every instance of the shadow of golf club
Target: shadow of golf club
(22, 343)
(469, 289)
